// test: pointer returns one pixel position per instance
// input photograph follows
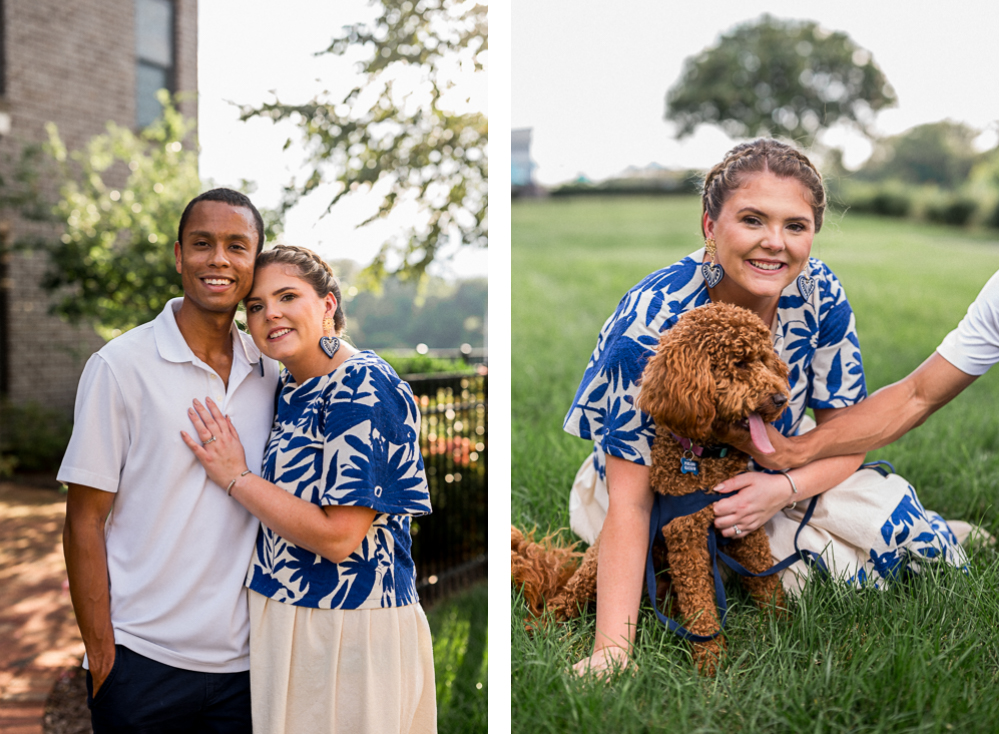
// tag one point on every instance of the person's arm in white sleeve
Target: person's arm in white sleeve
(91, 468)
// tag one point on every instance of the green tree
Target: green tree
(777, 77)
(410, 140)
(121, 199)
(939, 152)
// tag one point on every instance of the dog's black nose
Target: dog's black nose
(779, 400)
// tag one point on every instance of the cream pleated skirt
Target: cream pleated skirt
(319, 671)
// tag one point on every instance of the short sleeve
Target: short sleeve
(95, 458)
(838, 377)
(974, 346)
(603, 409)
(371, 453)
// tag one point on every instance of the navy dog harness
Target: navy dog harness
(667, 508)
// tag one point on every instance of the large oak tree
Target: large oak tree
(779, 77)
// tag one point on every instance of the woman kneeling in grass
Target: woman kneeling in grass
(762, 205)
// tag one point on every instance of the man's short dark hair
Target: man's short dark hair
(226, 196)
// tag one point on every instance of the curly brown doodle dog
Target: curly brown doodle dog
(714, 378)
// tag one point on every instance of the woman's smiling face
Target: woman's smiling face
(763, 237)
(285, 315)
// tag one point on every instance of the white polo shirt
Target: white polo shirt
(178, 547)
(974, 346)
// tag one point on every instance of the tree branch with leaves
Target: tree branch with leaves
(121, 199)
(402, 128)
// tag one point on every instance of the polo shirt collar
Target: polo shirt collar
(172, 346)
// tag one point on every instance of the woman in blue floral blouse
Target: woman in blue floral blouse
(762, 205)
(338, 640)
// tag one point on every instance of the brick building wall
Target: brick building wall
(72, 63)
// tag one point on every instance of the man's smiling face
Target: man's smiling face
(216, 255)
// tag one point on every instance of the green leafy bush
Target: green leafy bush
(887, 199)
(411, 363)
(32, 438)
(954, 209)
(992, 216)
(972, 205)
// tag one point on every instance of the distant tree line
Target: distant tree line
(440, 314)
(931, 172)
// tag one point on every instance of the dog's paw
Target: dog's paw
(708, 656)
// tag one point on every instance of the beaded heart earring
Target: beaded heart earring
(712, 273)
(806, 283)
(329, 344)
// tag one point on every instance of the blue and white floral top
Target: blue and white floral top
(815, 336)
(347, 438)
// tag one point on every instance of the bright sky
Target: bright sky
(591, 77)
(245, 51)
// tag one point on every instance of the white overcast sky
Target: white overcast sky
(248, 49)
(590, 77)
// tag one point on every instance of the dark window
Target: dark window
(154, 56)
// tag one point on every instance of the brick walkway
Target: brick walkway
(38, 633)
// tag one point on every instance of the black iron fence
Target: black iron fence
(449, 545)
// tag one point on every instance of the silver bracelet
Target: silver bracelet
(795, 490)
(229, 489)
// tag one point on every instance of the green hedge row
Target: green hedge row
(977, 206)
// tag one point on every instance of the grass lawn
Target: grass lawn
(458, 627)
(915, 658)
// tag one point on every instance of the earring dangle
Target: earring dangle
(329, 344)
(712, 273)
(806, 283)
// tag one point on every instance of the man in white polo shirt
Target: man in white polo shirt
(156, 557)
(965, 354)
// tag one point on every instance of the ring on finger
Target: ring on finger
(736, 529)
(213, 438)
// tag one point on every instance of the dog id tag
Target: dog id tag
(689, 465)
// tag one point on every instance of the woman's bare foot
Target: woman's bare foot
(604, 662)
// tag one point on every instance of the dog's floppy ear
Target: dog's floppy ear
(678, 389)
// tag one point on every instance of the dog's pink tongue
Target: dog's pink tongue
(758, 434)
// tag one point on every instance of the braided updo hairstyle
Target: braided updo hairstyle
(757, 156)
(313, 270)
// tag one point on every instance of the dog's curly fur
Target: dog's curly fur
(714, 368)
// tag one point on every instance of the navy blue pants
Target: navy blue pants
(142, 696)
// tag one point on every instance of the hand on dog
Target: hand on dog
(604, 662)
(754, 499)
